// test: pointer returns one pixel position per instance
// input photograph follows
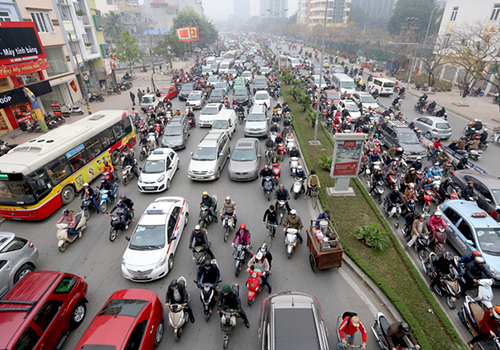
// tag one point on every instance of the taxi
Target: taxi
(158, 170)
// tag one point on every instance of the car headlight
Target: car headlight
(161, 178)
(161, 262)
(123, 262)
(210, 172)
(495, 273)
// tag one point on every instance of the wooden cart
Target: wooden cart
(326, 254)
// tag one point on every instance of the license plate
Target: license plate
(140, 277)
(149, 188)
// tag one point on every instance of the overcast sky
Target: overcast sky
(215, 9)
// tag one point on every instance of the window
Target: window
(172, 221)
(452, 215)
(464, 228)
(39, 183)
(494, 14)
(49, 310)
(58, 169)
(43, 22)
(2, 264)
(15, 244)
(65, 13)
(109, 2)
(65, 286)
(135, 339)
(454, 14)
(27, 340)
(483, 190)
(25, 79)
(4, 16)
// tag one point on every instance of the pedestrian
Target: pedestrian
(139, 95)
(147, 90)
(132, 97)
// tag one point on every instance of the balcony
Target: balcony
(86, 20)
(91, 48)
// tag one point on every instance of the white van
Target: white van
(225, 66)
(210, 60)
(226, 121)
(343, 83)
(385, 87)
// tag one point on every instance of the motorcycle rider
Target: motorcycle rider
(464, 162)
(228, 299)
(473, 144)
(294, 152)
(435, 148)
(278, 140)
(243, 236)
(229, 208)
(130, 160)
(458, 145)
(69, 216)
(488, 326)
(260, 262)
(483, 136)
(348, 329)
(410, 177)
(395, 334)
(474, 271)
(393, 198)
(410, 192)
(88, 192)
(240, 110)
(271, 218)
(436, 222)
(177, 112)
(312, 182)
(417, 164)
(209, 202)
(443, 189)
(107, 185)
(274, 128)
(269, 144)
(376, 177)
(434, 171)
(495, 214)
(395, 102)
(392, 169)
(108, 167)
(265, 172)
(441, 112)
(177, 294)
(121, 211)
(442, 268)
(282, 195)
(431, 106)
(294, 221)
(200, 238)
(468, 191)
(418, 228)
(300, 174)
(208, 273)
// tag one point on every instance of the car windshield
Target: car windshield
(444, 126)
(123, 307)
(489, 240)
(204, 153)
(187, 88)
(352, 107)
(209, 110)
(333, 96)
(348, 84)
(260, 81)
(220, 84)
(220, 124)
(154, 166)
(213, 79)
(496, 194)
(173, 131)
(243, 155)
(19, 193)
(148, 237)
(194, 97)
(367, 99)
(240, 92)
(262, 97)
(146, 99)
(256, 117)
(216, 94)
(164, 91)
(408, 138)
(247, 74)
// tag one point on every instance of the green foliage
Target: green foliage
(206, 30)
(169, 47)
(304, 101)
(418, 9)
(311, 116)
(295, 92)
(325, 162)
(127, 49)
(373, 236)
(112, 24)
(288, 78)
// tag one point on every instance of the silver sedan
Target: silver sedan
(245, 160)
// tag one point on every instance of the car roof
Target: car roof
(188, 84)
(158, 212)
(6, 237)
(399, 124)
(331, 91)
(196, 92)
(437, 119)
(246, 142)
(466, 209)
(212, 105)
(160, 153)
(491, 181)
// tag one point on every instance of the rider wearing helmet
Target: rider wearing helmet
(376, 177)
(294, 221)
(69, 216)
(121, 210)
(395, 334)
(130, 205)
(229, 299)
(294, 152)
(474, 271)
(435, 148)
(463, 162)
(229, 209)
(88, 192)
(200, 237)
(434, 171)
(282, 195)
(417, 164)
(259, 262)
(265, 172)
(443, 189)
(107, 185)
(278, 139)
(393, 198)
(177, 294)
(108, 167)
(274, 128)
(488, 326)
(436, 221)
(468, 191)
(210, 203)
(243, 236)
(442, 268)
(208, 272)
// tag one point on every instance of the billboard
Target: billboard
(187, 33)
(346, 156)
(19, 43)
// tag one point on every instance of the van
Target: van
(225, 66)
(210, 157)
(385, 87)
(257, 124)
(343, 83)
(210, 60)
(294, 62)
(225, 121)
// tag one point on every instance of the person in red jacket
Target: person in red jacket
(488, 326)
(435, 148)
(495, 214)
(348, 329)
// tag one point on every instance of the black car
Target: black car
(185, 91)
(175, 134)
(259, 83)
(241, 96)
(396, 133)
(217, 96)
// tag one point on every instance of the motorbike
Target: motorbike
(127, 76)
(439, 239)
(290, 143)
(241, 117)
(96, 97)
(208, 297)
(419, 107)
(268, 187)
(105, 199)
(484, 293)
(298, 186)
(87, 206)
(178, 315)
(254, 285)
(144, 153)
(127, 173)
(379, 190)
(392, 179)
(205, 217)
(64, 237)
(280, 210)
(290, 241)
(396, 213)
(281, 150)
(495, 138)
(474, 154)
(239, 255)
(116, 224)
(294, 163)
(470, 315)
(380, 329)
(427, 199)
(410, 206)
(276, 172)
(200, 254)
(228, 320)
(192, 122)
(227, 223)
(422, 245)
(115, 90)
(448, 284)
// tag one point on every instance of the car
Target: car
(365, 99)
(186, 89)
(221, 85)
(212, 79)
(351, 107)
(396, 133)
(196, 99)
(265, 70)
(245, 160)
(210, 156)
(290, 321)
(317, 71)
(206, 70)
(239, 82)
(473, 229)
(226, 121)
(241, 96)
(17, 258)
(151, 249)
(175, 133)
(332, 96)
(232, 72)
(326, 63)
(149, 100)
(262, 97)
(217, 96)
(247, 65)
(130, 319)
(41, 309)
(323, 85)
(337, 69)
(208, 114)
(158, 170)
(486, 187)
(248, 76)
(168, 92)
(257, 123)
(304, 72)
(259, 83)
(435, 127)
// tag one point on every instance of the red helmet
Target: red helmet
(266, 166)
(476, 253)
(429, 180)
(279, 135)
(243, 227)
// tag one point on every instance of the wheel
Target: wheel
(22, 272)
(103, 207)
(113, 233)
(178, 335)
(396, 223)
(312, 261)
(450, 303)
(218, 173)
(226, 342)
(207, 316)
(186, 220)
(101, 99)
(438, 250)
(86, 214)
(167, 186)
(314, 202)
(125, 180)
(117, 193)
(492, 138)
(119, 92)
(63, 247)
(226, 234)
(115, 157)
(288, 255)
(438, 290)
(67, 194)
(296, 195)
(142, 156)
(423, 255)
(78, 314)
(160, 329)
(170, 262)
(250, 302)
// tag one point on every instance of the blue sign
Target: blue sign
(75, 151)
(268, 43)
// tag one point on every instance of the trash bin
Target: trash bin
(22, 126)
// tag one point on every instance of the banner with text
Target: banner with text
(346, 158)
(23, 68)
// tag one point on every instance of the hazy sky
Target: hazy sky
(215, 9)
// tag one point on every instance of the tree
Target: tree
(358, 15)
(169, 47)
(127, 49)
(434, 59)
(113, 26)
(420, 10)
(206, 30)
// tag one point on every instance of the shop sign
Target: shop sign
(346, 157)
(107, 66)
(12, 97)
(23, 68)
(20, 43)
(56, 108)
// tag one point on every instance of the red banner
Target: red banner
(23, 68)
(73, 86)
(345, 169)
(56, 108)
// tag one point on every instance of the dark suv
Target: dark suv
(396, 133)
(185, 91)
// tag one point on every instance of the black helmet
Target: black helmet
(207, 264)
(65, 212)
(173, 284)
(405, 328)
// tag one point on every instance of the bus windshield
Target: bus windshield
(15, 192)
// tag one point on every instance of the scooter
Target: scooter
(294, 163)
(290, 241)
(96, 97)
(239, 255)
(290, 143)
(228, 320)
(280, 210)
(254, 285)
(227, 223)
(484, 293)
(427, 199)
(474, 154)
(128, 174)
(281, 150)
(200, 254)
(298, 186)
(64, 238)
(241, 117)
(439, 237)
(448, 284)
(205, 217)
(379, 190)
(116, 224)
(178, 315)
(87, 207)
(144, 153)
(268, 187)
(104, 198)
(380, 329)
(208, 297)
(276, 172)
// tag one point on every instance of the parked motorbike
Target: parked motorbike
(448, 284)
(380, 329)
(74, 109)
(240, 256)
(105, 199)
(178, 315)
(208, 297)
(290, 241)
(228, 224)
(298, 186)
(276, 172)
(200, 254)
(127, 173)
(64, 237)
(294, 163)
(116, 224)
(96, 97)
(254, 285)
(228, 320)
(205, 217)
(115, 90)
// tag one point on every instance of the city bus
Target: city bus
(40, 175)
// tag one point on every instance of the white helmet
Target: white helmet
(411, 185)
(437, 213)
(293, 212)
(197, 228)
(228, 198)
(259, 255)
(299, 167)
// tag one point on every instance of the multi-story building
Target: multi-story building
(47, 73)
(274, 8)
(163, 12)
(241, 9)
(375, 7)
(106, 6)
(312, 12)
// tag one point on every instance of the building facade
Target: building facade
(274, 8)
(375, 7)
(241, 9)
(312, 12)
(161, 13)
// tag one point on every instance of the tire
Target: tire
(63, 247)
(119, 92)
(423, 255)
(492, 138)
(207, 316)
(438, 250)
(170, 262)
(142, 156)
(218, 173)
(186, 219)
(167, 186)
(22, 272)
(78, 314)
(101, 99)
(396, 223)
(160, 330)
(250, 302)
(314, 202)
(226, 234)
(288, 255)
(312, 262)
(295, 195)
(67, 194)
(178, 335)
(103, 207)
(438, 290)
(450, 303)
(115, 157)
(125, 180)
(225, 344)
(86, 213)
(113, 233)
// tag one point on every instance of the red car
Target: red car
(168, 92)
(40, 310)
(130, 319)
(332, 96)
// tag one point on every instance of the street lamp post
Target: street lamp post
(320, 74)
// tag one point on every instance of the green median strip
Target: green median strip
(390, 268)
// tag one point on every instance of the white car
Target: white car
(351, 107)
(158, 171)
(366, 99)
(248, 76)
(262, 97)
(196, 99)
(151, 249)
(208, 114)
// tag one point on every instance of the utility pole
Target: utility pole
(80, 80)
(320, 75)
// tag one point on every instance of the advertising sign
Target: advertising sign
(187, 33)
(56, 108)
(346, 158)
(19, 43)
(23, 68)
(14, 96)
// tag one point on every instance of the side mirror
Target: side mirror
(169, 168)
(140, 168)
(127, 238)
(191, 154)
(172, 239)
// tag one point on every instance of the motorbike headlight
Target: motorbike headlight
(161, 262)
(161, 178)
(495, 273)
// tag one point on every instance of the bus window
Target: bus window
(118, 131)
(92, 148)
(58, 169)
(126, 126)
(16, 192)
(39, 183)
(107, 138)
